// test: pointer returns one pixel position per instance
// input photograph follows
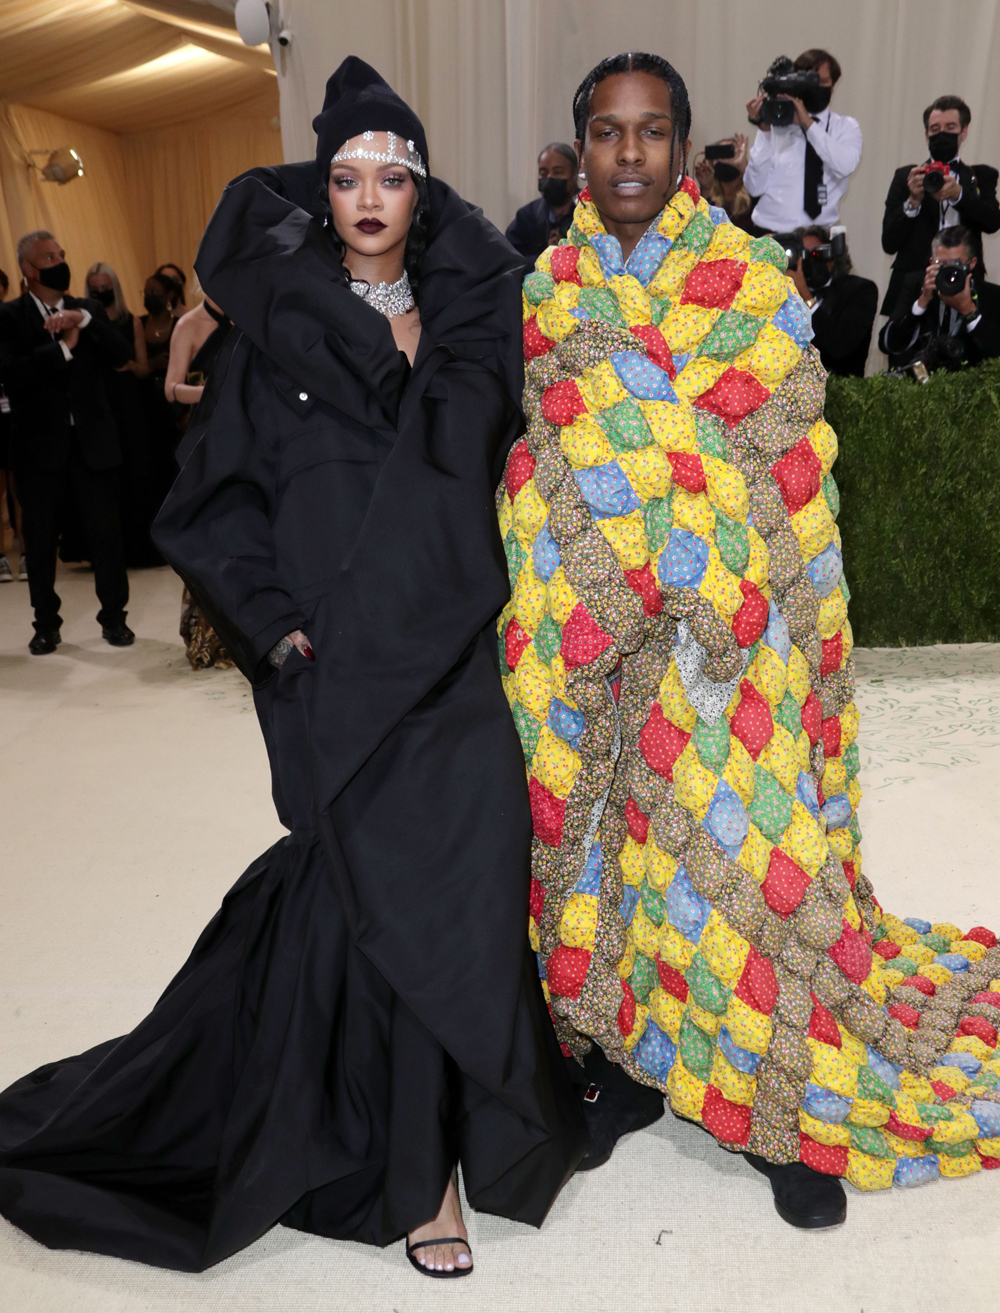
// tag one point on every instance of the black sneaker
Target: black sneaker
(803, 1197)
(613, 1105)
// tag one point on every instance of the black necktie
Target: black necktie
(813, 181)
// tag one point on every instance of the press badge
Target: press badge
(4, 404)
(821, 193)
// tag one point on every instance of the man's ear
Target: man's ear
(578, 147)
(973, 262)
(963, 134)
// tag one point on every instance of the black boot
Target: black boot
(613, 1104)
(803, 1197)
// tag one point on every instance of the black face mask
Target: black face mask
(55, 277)
(555, 191)
(155, 305)
(106, 295)
(726, 172)
(816, 273)
(817, 99)
(943, 146)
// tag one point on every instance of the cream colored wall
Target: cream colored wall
(494, 79)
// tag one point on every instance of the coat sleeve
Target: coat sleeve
(897, 225)
(758, 168)
(903, 327)
(215, 525)
(842, 326)
(22, 367)
(979, 206)
(519, 232)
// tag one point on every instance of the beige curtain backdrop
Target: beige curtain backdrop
(493, 79)
(143, 200)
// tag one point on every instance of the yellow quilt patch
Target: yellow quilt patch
(555, 763)
(585, 444)
(693, 783)
(578, 923)
(686, 327)
(813, 526)
(648, 471)
(723, 949)
(627, 536)
(671, 425)
(561, 597)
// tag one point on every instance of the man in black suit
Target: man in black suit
(842, 305)
(55, 351)
(542, 223)
(941, 328)
(914, 212)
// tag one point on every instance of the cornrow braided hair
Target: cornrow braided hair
(635, 61)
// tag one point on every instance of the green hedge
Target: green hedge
(919, 479)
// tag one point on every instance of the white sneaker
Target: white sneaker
(22, 573)
(6, 576)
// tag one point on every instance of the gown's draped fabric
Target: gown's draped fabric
(677, 655)
(364, 1009)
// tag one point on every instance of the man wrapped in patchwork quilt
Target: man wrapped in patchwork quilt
(677, 656)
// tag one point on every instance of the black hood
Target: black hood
(266, 259)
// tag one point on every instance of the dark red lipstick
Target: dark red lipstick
(370, 226)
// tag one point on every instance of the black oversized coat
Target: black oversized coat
(365, 1007)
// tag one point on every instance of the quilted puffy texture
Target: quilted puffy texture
(677, 655)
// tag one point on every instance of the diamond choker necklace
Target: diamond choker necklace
(388, 299)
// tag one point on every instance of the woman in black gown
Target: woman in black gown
(363, 1012)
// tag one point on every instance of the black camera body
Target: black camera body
(935, 176)
(951, 276)
(723, 150)
(784, 79)
(791, 244)
(943, 351)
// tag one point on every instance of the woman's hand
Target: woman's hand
(279, 654)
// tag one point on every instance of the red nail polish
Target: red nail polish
(308, 653)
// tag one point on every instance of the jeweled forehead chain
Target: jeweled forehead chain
(394, 155)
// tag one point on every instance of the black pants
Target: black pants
(96, 492)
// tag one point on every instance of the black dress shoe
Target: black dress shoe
(118, 635)
(613, 1105)
(45, 640)
(803, 1197)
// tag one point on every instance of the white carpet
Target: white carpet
(135, 792)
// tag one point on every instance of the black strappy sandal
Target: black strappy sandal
(432, 1272)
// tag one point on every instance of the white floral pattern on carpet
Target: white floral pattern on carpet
(926, 710)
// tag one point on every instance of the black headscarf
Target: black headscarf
(359, 100)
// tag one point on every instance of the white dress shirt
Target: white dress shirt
(46, 310)
(777, 167)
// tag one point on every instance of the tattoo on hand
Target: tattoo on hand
(279, 654)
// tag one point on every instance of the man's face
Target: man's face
(946, 120)
(45, 253)
(627, 152)
(552, 164)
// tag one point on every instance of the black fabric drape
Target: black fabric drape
(365, 1007)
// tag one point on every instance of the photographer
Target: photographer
(841, 304)
(943, 317)
(719, 169)
(803, 156)
(940, 193)
(545, 221)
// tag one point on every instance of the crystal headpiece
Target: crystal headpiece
(410, 158)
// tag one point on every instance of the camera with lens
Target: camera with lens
(951, 276)
(935, 176)
(943, 351)
(814, 262)
(784, 79)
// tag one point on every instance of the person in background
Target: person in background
(146, 473)
(56, 352)
(194, 348)
(8, 490)
(842, 305)
(914, 212)
(158, 324)
(939, 328)
(177, 276)
(544, 222)
(721, 180)
(801, 172)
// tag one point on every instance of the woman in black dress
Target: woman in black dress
(364, 1011)
(145, 475)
